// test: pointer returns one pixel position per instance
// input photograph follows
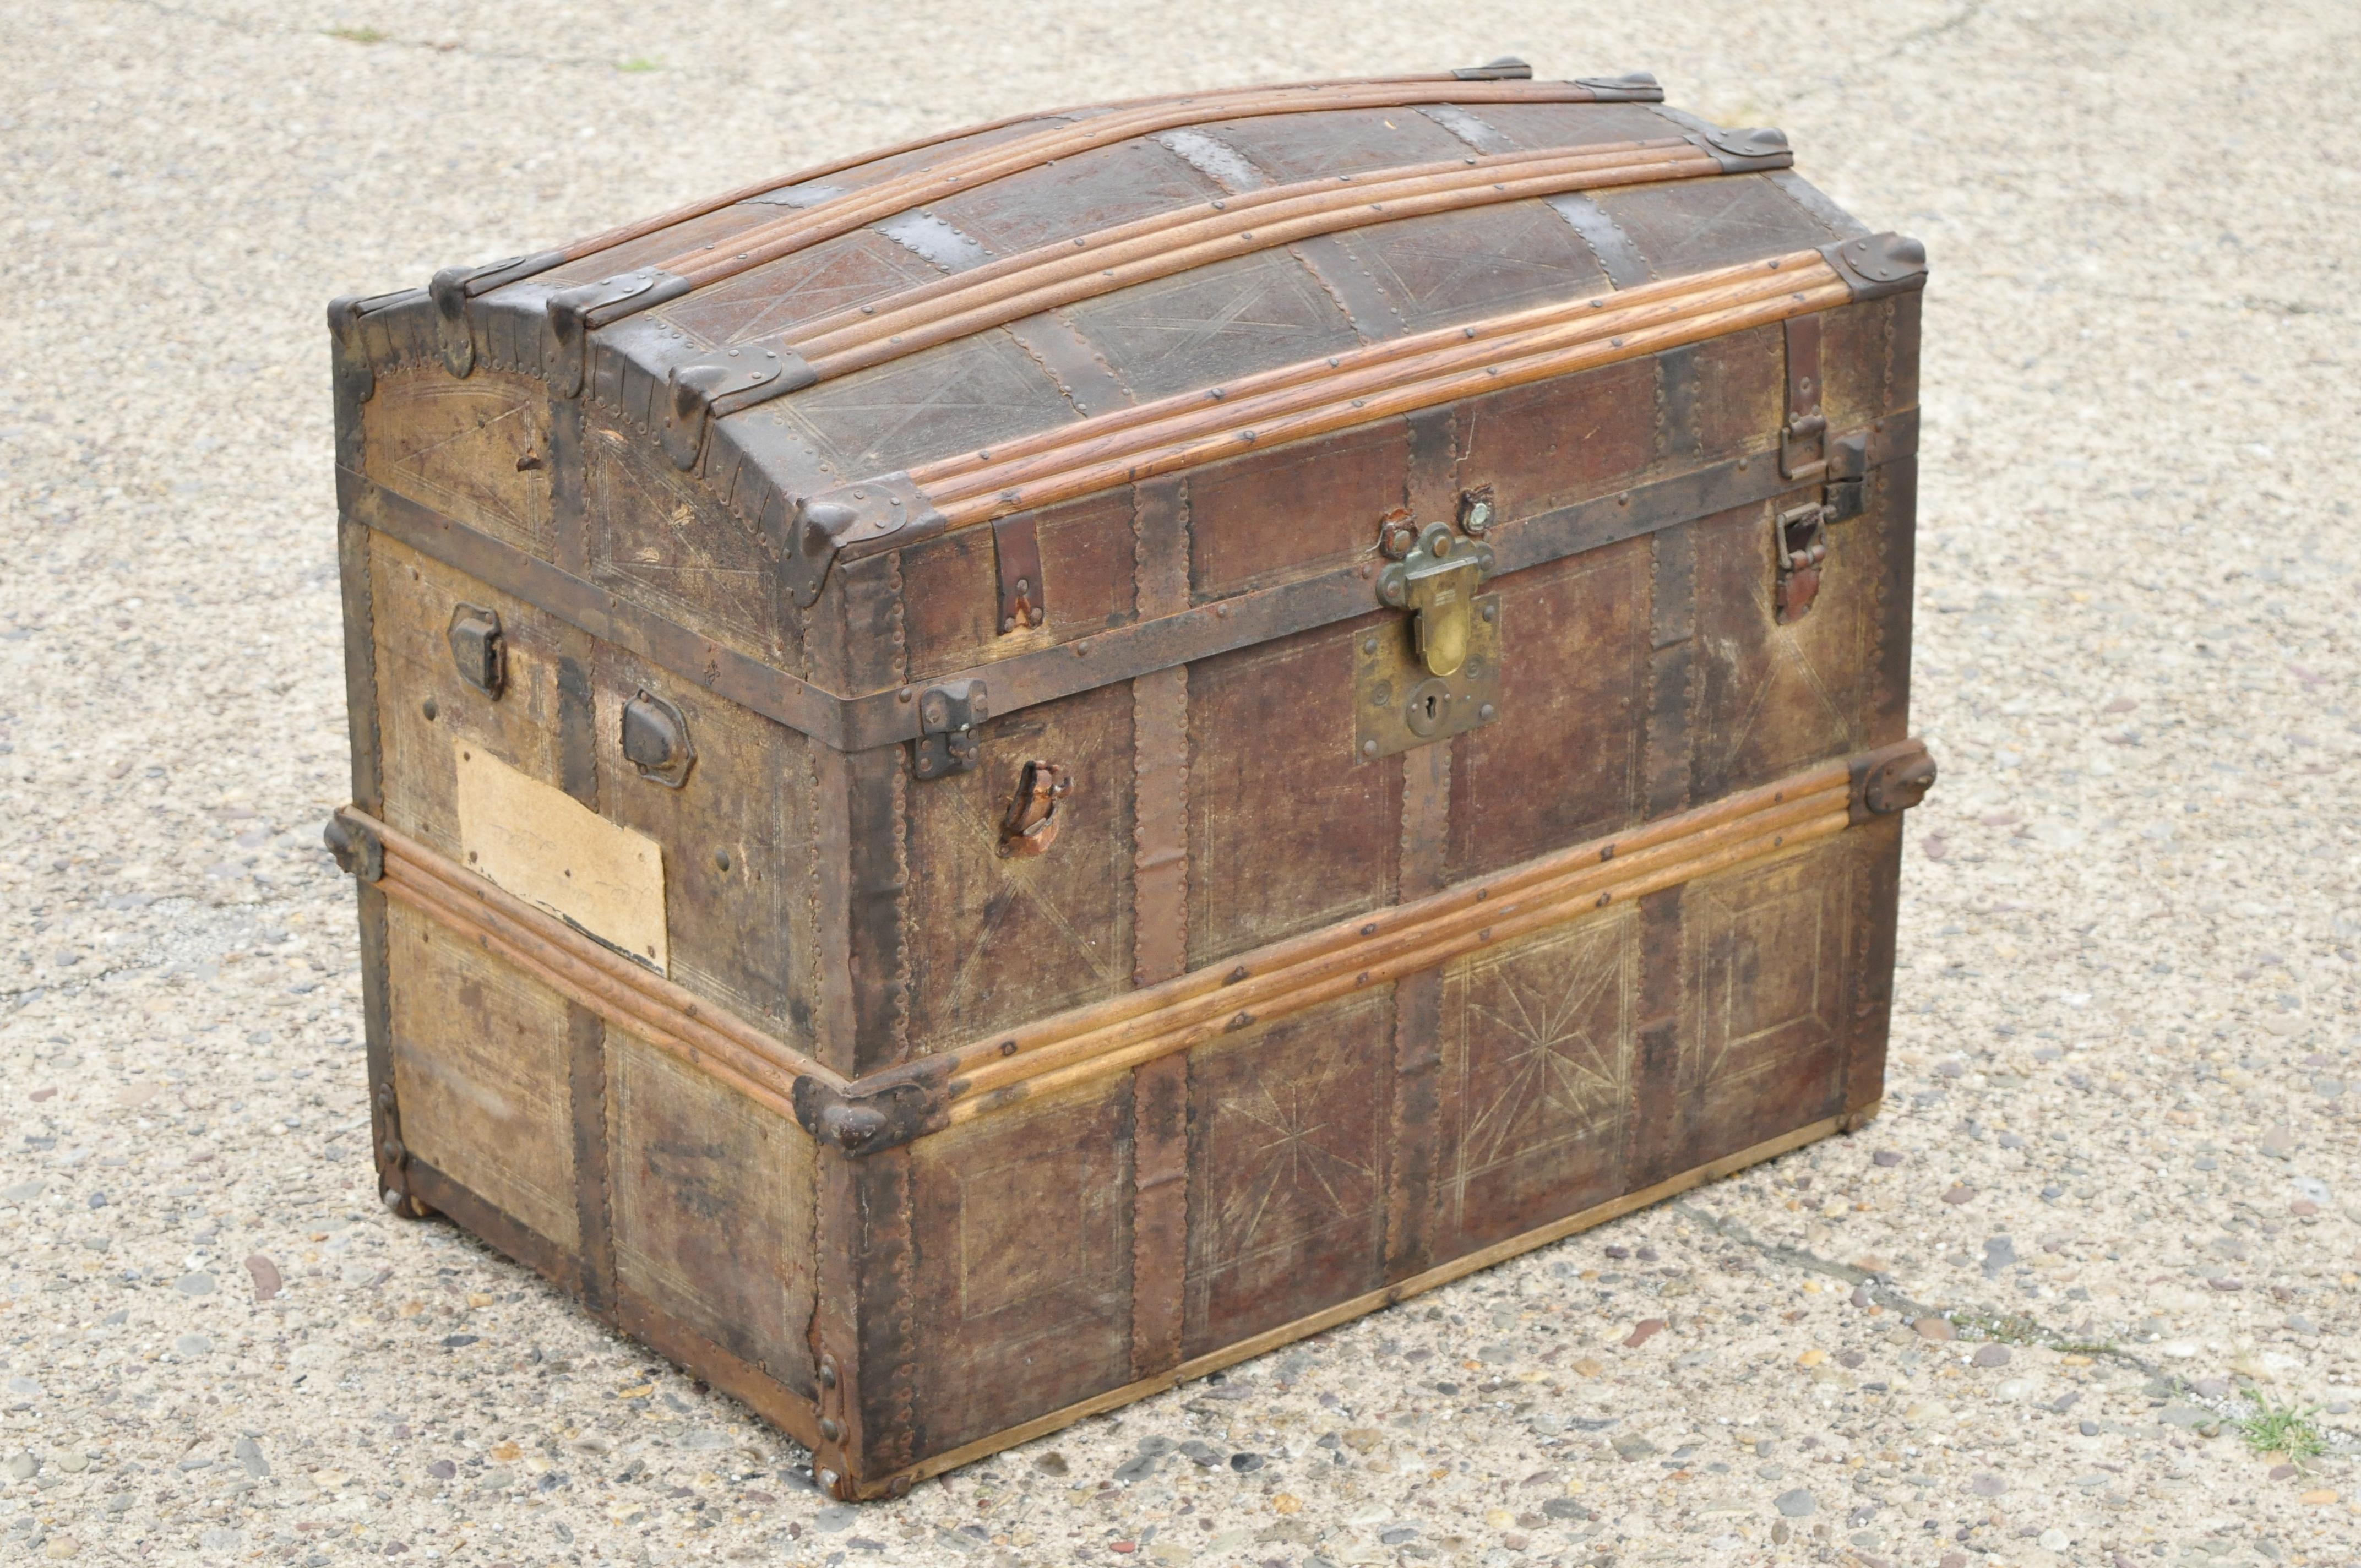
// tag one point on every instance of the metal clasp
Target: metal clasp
(1444, 677)
(948, 717)
(1436, 582)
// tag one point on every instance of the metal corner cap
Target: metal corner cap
(1633, 86)
(1876, 265)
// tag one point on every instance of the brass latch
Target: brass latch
(1439, 675)
(1436, 582)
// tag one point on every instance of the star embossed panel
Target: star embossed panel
(1537, 1041)
(1767, 952)
(993, 940)
(1286, 1183)
(1022, 1288)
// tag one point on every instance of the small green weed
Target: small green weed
(2281, 1429)
(639, 63)
(359, 35)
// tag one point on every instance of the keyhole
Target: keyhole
(1430, 707)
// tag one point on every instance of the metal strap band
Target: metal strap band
(1026, 680)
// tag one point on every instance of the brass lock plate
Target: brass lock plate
(1397, 705)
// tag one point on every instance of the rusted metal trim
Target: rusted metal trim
(744, 1381)
(440, 1193)
(1350, 957)
(1889, 781)
(1017, 557)
(1122, 652)
(1877, 264)
(1369, 1302)
(854, 723)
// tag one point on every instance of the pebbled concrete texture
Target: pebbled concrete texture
(2113, 1206)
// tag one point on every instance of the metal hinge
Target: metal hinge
(1508, 68)
(948, 717)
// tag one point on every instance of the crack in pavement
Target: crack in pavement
(1882, 1292)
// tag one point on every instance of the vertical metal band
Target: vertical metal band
(1430, 491)
(1618, 256)
(871, 592)
(1085, 378)
(1357, 293)
(1160, 1090)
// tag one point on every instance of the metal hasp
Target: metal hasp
(476, 651)
(949, 715)
(1439, 675)
(656, 740)
(1436, 582)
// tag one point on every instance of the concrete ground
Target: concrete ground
(2116, 1184)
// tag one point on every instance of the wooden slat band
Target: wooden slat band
(1816, 785)
(1678, 294)
(623, 992)
(1052, 277)
(973, 492)
(1308, 985)
(802, 229)
(640, 228)
(1369, 1302)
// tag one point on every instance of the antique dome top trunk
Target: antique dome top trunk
(1004, 773)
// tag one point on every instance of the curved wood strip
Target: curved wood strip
(1678, 292)
(802, 229)
(1161, 234)
(607, 239)
(1268, 990)
(1075, 275)
(1331, 394)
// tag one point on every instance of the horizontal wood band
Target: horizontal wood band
(1198, 428)
(1369, 1302)
(962, 172)
(1053, 276)
(629, 996)
(1281, 991)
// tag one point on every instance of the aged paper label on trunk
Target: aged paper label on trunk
(549, 848)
